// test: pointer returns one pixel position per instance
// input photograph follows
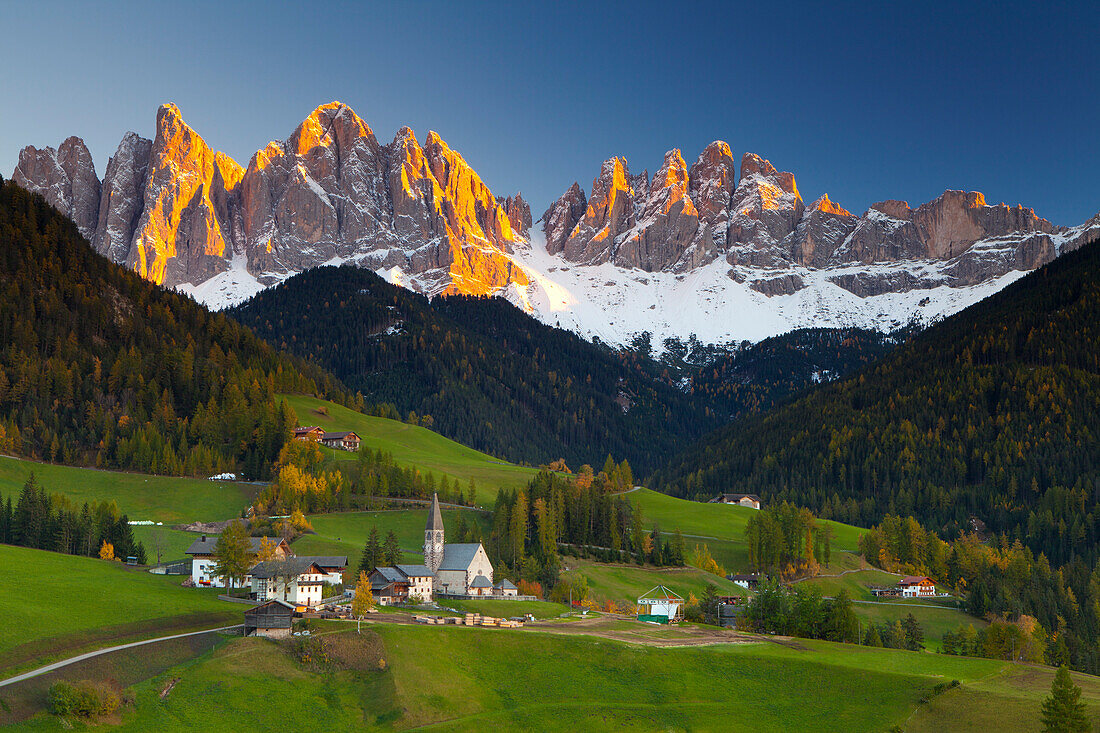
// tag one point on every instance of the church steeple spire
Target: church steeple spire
(433, 537)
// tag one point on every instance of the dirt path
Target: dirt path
(108, 650)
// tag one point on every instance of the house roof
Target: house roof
(415, 571)
(205, 545)
(327, 561)
(435, 519)
(307, 429)
(481, 582)
(392, 575)
(914, 579)
(338, 436)
(659, 593)
(736, 497)
(458, 556)
(295, 565)
(743, 576)
(278, 602)
(507, 585)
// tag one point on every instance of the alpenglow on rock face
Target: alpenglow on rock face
(182, 214)
(768, 236)
(719, 249)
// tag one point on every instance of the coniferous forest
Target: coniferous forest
(991, 414)
(100, 367)
(490, 376)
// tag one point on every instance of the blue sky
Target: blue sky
(863, 101)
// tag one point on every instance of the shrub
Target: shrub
(86, 700)
(61, 698)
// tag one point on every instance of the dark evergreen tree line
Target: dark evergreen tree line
(1004, 581)
(100, 367)
(46, 521)
(989, 415)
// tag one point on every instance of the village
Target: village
(283, 585)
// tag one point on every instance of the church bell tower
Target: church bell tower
(433, 537)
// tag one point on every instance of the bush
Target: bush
(86, 700)
(61, 698)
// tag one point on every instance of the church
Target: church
(458, 568)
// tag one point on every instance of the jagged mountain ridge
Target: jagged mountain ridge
(721, 251)
(184, 215)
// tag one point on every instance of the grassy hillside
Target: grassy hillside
(345, 533)
(416, 446)
(536, 681)
(627, 582)
(721, 527)
(67, 604)
(141, 496)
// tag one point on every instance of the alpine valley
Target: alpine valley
(716, 250)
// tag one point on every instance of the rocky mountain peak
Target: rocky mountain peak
(519, 213)
(765, 208)
(66, 178)
(184, 233)
(825, 204)
(559, 220)
(610, 213)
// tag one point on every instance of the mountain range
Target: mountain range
(716, 250)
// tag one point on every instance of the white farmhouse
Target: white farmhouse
(297, 580)
(203, 562)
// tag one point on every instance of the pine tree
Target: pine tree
(1063, 711)
(391, 550)
(372, 552)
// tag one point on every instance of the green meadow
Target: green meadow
(167, 499)
(412, 445)
(628, 582)
(345, 533)
(67, 604)
(526, 680)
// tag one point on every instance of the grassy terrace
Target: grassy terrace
(345, 533)
(412, 445)
(68, 604)
(628, 582)
(513, 680)
(163, 498)
(721, 527)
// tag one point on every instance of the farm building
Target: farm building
(752, 501)
(272, 619)
(749, 581)
(203, 562)
(346, 440)
(296, 580)
(389, 586)
(661, 605)
(505, 588)
(312, 433)
(917, 586)
(419, 578)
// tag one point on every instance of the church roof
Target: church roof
(435, 519)
(481, 582)
(458, 556)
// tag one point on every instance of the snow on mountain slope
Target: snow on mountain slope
(615, 303)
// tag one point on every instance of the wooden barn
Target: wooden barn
(272, 619)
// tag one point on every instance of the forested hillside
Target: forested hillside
(496, 379)
(100, 367)
(993, 414)
(488, 375)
